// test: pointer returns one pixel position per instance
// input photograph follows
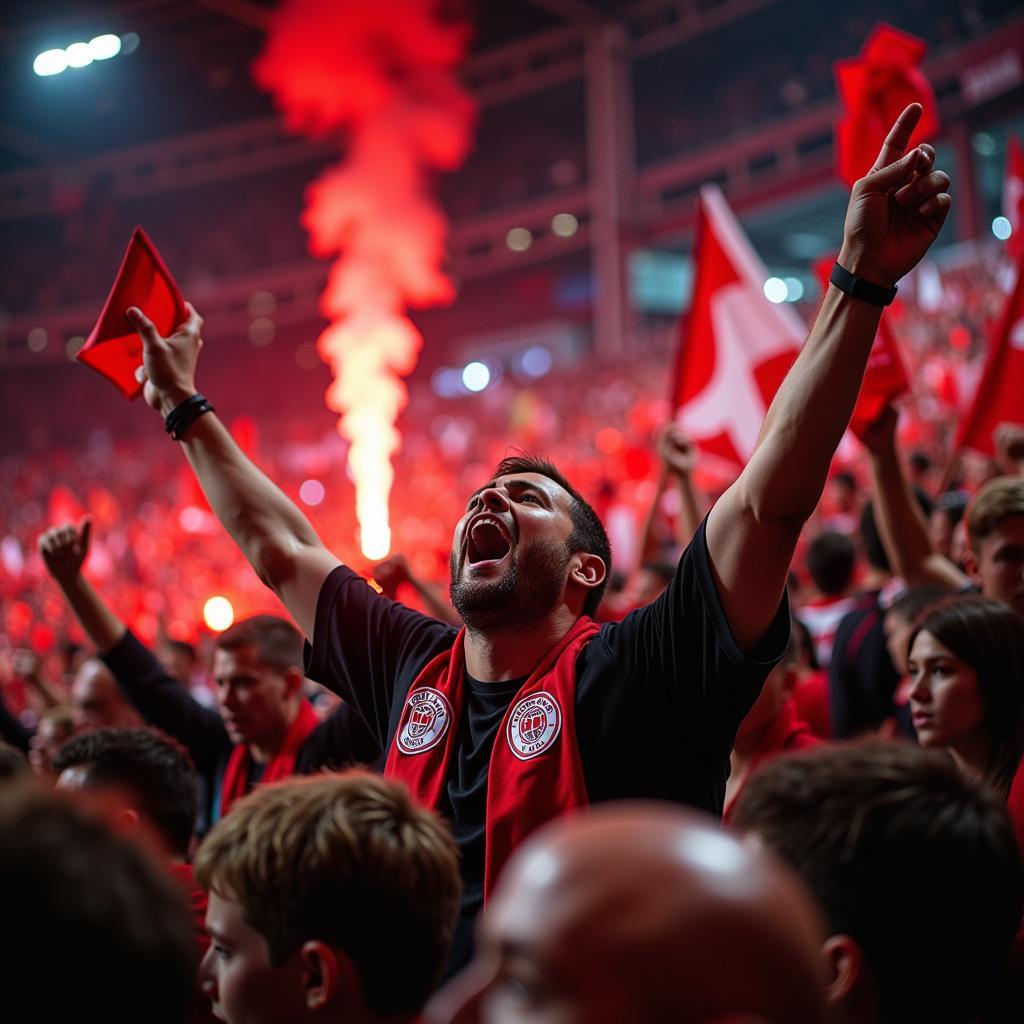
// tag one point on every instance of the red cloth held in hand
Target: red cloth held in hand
(114, 349)
(874, 88)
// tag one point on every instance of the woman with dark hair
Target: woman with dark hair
(966, 662)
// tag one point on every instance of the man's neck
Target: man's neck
(267, 747)
(495, 656)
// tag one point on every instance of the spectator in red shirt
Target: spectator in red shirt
(771, 727)
(830, 562)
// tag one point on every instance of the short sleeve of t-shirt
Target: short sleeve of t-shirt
(367, 648)
(660, 695)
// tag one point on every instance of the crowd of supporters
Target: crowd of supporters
(505, 809)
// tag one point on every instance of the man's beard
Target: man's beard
(527, 592)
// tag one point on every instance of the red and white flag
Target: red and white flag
(736, 346)
(1013, 196)
(1000, 396)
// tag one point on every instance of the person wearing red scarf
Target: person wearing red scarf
(531, 709)
(265, 729)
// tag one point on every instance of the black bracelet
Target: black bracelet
(182, 416)
(876, 294)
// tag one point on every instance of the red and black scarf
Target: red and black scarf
(280, 766)
(535, 771)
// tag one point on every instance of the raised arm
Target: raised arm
(895, 213)
(160, 699)
(901, 525)
(679, 457)
(64, 550)
(271, 532)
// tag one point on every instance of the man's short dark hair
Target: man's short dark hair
(278, 642)
(588, 532)
(830, 560)
(914, 861)
(181, 647)
(94, 929)
(155, 768)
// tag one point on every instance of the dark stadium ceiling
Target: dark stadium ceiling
(189, 72)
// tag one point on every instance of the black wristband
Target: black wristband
(861, 289)
(182, 416)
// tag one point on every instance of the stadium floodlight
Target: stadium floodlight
(476, 376)
(78, 55)
(81, 55)
(104, 47)
(50, 62)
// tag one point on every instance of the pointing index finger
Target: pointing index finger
(899, 136)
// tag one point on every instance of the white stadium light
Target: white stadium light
(519, 239)
(1002, 228)
(476, 377)
(104, 47)
(78, 55)
(50, 62)
(565, 225)
(81, 55)
(775, 290)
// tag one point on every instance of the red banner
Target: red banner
(736, 346)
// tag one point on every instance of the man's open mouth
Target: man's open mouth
(487, 541)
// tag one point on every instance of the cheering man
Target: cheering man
(532, 709)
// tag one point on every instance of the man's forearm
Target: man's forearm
(903, 529)
(101, 625)
(261, 519)
(786, 474)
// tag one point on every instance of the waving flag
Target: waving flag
(874, 87)
(737, 346)
(114, 349)
(1000, 396)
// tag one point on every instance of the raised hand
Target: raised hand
(880, 437)
(168, 364)
(897, 209)
(391, 573)
(678, 453)
(65, 549)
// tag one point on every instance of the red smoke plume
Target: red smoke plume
(380, 76)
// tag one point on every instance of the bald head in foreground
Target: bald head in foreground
(644, 913)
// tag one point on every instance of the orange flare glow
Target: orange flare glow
(382, 77)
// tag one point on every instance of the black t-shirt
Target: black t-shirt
(659, 697)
